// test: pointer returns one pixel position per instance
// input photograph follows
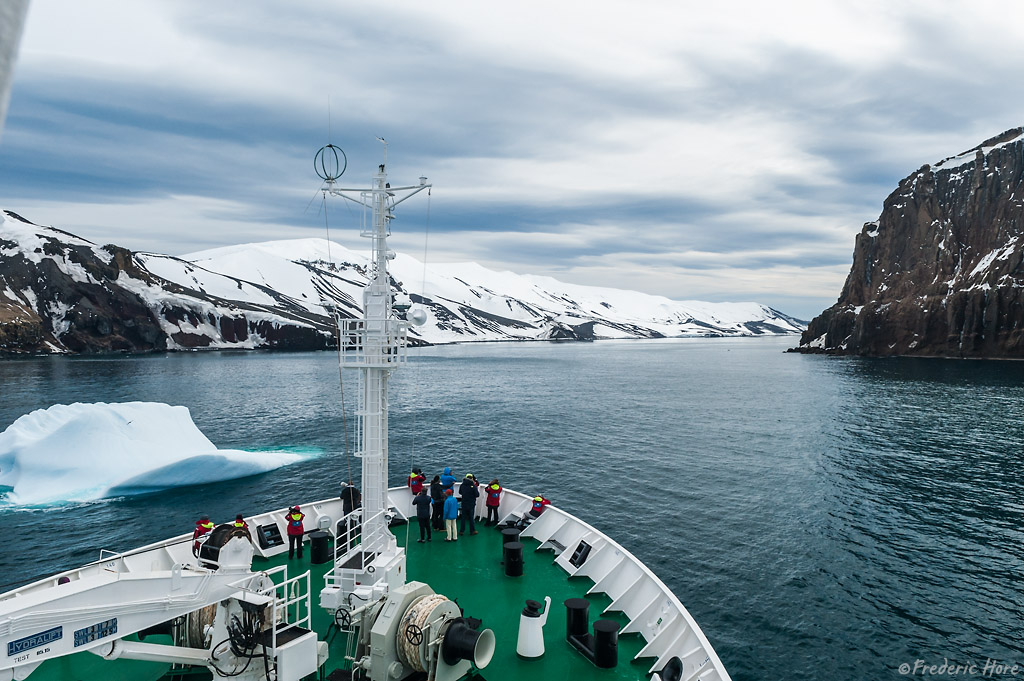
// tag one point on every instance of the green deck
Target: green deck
(468, 570)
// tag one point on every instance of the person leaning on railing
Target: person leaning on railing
(493, 491)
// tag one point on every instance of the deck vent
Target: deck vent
(269, 536)
(579, 556)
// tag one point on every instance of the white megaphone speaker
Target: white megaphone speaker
(417, 316)
(531, 629)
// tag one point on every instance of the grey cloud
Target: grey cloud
(869, 124)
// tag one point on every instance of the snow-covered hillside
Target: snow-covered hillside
(465, 301)
(54, 287)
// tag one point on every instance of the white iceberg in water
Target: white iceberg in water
(81, 452)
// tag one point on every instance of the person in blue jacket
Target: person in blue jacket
(451, 515)
(447, 479)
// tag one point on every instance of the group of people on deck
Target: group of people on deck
(204, 525)
(293, 521)
(438, 508)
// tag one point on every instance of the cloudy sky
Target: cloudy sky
(712, 151)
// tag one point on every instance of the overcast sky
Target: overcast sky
(713, 151)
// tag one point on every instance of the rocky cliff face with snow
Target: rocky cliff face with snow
(61, 293)
(939, 273)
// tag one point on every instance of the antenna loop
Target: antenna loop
(328, 165)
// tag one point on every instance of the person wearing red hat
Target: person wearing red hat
(295, 530)
(203, 525)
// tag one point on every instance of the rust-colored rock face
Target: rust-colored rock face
(939, 273)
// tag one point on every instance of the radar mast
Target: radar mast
(376, 345)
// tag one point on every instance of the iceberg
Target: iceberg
(83, 452)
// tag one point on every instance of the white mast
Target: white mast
(376, 345)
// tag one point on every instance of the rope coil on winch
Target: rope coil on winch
(414, 624)
(194, 629)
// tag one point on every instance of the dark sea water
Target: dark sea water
(821, 518)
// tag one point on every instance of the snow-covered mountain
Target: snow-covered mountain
(62, 293)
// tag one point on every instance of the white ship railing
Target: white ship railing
(352, 536)
(373, 343)
(291, 602)
(352, 557)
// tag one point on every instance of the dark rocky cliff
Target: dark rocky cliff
(939, 273)
(62, 294)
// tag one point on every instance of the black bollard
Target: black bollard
(577, 617)
(606, 643)
(513, 553)
(507, 537)
(319, 551)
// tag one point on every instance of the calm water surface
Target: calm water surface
(822, 518)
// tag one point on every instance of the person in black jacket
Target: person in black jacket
(350, 498)
(348, 526)
(422, 502)
(437, 495)
(469, 494)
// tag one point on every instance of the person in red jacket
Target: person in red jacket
(203, 525)
(240, 522)
(493, 499)
(539, 502)
(295, 530)
(416, 480)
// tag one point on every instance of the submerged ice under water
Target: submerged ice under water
(83, 452)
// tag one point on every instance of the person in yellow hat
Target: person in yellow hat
(415, 481)
(539, 504)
